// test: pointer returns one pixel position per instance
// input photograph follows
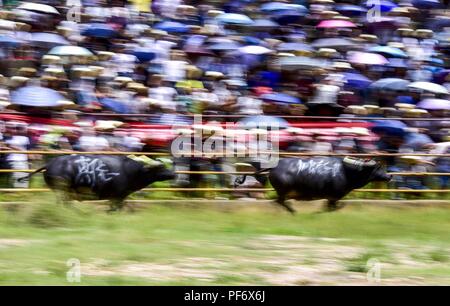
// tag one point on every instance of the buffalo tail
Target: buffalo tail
(241, 179)
(31, 174)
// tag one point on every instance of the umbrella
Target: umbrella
(172, 27)
(428, 86)
(225, 46)
(390, 51)
(39, 8)
(441, 76)
(48, 39)
(350, 9)
(36, 96)
(115, 105)
(9, 41)
(70, 51)
(385, 5)
(390, 84)
(367, 58)
(434, 104)
(100, 30)
(232, 18)
(397, 63)
(281, 98)
(285, 17)
(294, 47)
(300, 62)
(279, 6)
(143, 54)
(356, 80)
(389, 127)
(256, 50)
(7, 25)
(263, 121)
(427, 4)
(264, 23)
(335, 43)
(437, 24)
(336, 23)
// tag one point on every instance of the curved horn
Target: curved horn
(358, 162)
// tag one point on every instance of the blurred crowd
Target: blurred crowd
(78, 75)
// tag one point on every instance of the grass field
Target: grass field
(209, 246)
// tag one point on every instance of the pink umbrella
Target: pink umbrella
(336, 23)
(367, 58)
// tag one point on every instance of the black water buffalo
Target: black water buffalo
(317, 178)
(103, 177)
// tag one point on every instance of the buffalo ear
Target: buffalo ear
(152, 164)
(166, 161)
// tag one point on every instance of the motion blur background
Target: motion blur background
(337, 77)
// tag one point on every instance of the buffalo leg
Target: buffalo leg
(116, 204)
(332, 205)
(282, 201)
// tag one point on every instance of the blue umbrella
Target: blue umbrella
(100, 30)
(281, 98)
(144, 54)
(264, 23)
(225, 46)
(172, 27)
(232, 18)
(273, 6)
(263, 121)
(350, 9)
(288, 16)
(390, 84)
(397, 63)
(356, 80)
(8, 41)
(389, 126)
(115, 106)
(295, 47)
(48, 39)
(385, 5)
(427, 4)
(390, 51)
(36, 96)
(280, 6)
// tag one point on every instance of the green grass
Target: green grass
(184, 246)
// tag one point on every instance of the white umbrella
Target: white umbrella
(70, 51)
(39, 8)
(428, 86)
(232, 18)
(257, 50)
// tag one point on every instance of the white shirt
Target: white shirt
(174, 71)
(21, 143)
(93, 143)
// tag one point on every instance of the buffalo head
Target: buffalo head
(157, 170)
(370, 169)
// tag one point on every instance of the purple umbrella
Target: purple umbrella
(434, 104)
(367, 58)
